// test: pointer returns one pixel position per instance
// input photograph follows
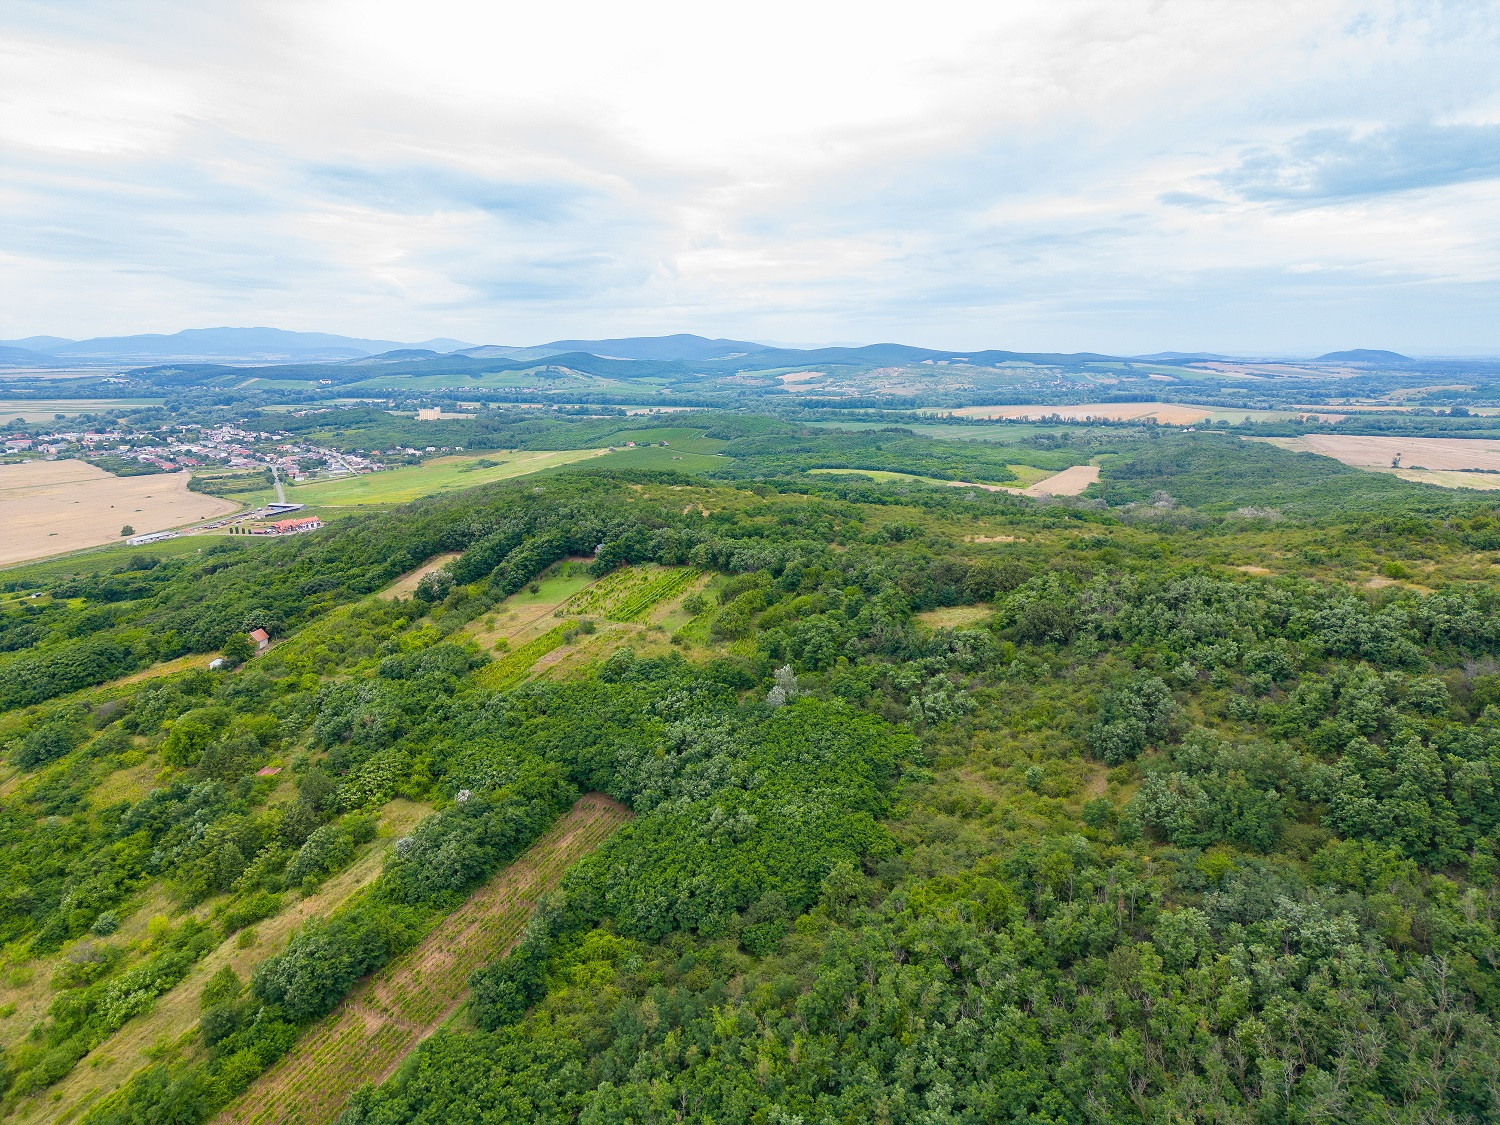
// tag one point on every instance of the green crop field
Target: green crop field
(45, 410)
(442, 474)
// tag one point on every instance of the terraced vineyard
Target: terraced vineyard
(630, 594)
(368, 1035)
(511, 668)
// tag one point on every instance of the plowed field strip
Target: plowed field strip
(367, 1036)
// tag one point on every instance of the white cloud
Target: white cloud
(1059, 175)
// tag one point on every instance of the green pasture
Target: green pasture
(442, 474)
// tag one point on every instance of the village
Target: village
(174, 448)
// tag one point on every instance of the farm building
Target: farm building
(292, 527)
(260, 638)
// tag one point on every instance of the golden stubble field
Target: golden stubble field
(1446, 462)
(52, 507)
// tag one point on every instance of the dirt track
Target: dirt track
(52, 507)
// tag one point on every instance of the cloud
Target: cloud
(1336, 164)
(1052, 174)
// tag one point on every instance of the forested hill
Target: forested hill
(949, 806)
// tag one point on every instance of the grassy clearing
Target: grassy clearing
(953, 617)
(368, 1035)
(442, 474)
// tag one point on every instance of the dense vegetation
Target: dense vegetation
(949, 807)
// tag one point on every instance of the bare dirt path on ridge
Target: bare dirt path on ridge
(366, 1037)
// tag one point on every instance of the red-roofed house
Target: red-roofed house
(261, 638)
(291, 527)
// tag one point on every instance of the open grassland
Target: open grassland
(368, 1035)
(657, 457)
(52, 507)
(175, 1014)
(442, 474)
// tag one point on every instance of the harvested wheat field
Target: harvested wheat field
(1451, 478)
(1445, 455)
(365, 1038)
(52, 507)
(1069, 482)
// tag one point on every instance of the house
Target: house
(292, 527)
(215, 664)
(261, 639)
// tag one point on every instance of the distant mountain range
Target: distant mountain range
(1365, 355)
(272, 346)
(261, 345)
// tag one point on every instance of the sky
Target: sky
(1250, 177)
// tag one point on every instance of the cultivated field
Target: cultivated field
(1069, 482)
(365, 1038)
(1451, 478)
(45, 410)
(1415, 453)
(442, 474)
(51, 507)
(629, 593)
(1445, 462)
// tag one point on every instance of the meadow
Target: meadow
(436, 475)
